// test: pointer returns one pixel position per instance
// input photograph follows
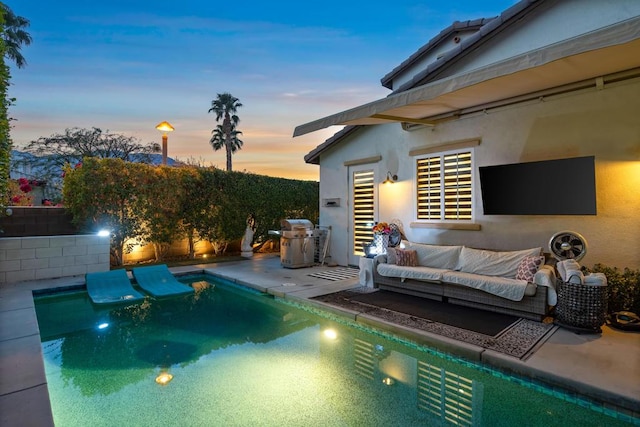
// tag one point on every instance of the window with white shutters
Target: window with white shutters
(429, 181)
(444, 186)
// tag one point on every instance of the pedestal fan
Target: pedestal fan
(568, 245)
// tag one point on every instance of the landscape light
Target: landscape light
(164, 127)
(104, 233)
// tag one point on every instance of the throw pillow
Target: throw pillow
(406, 257)
(528, 267)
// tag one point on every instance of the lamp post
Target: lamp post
(164, 127)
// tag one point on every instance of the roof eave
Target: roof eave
(456, 27)
(313, 157)
(547, 67)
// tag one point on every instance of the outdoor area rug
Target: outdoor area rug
(503, 333)
(336, 274)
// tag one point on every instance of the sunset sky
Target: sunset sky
(125, 66)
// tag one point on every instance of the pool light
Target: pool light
(164, 378)
(104, 325)
(330, 334)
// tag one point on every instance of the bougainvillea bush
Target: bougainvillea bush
(19, 193)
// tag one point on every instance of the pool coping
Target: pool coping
(24, 397)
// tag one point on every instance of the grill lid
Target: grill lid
(296, 224)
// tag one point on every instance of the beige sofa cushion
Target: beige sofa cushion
(435, 256)
(491, 263)
(418, 273)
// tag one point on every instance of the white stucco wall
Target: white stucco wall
(601, 123)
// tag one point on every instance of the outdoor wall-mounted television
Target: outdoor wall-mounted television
(551, 187)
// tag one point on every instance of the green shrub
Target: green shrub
(160, 204)
(623, 288)
(5, 138)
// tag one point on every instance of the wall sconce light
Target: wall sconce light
(390, 178)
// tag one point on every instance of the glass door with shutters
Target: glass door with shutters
(363, 209)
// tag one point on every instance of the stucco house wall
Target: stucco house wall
(600, 120)
(601, 123)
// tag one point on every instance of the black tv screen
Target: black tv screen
(551, 187)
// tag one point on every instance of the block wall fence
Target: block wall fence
(48, 257)
(41, 243)
(36, 221)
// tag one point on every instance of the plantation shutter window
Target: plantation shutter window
(429, 188)
(457, 186)
(363, 209)
(444, 187)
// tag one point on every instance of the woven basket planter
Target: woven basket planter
(581, 307)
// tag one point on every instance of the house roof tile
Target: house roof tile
(490, 28)
(451, 30)
(313, 157)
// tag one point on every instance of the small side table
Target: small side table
(366, 272)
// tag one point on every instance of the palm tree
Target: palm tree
(225, 107)
(219, 140)
(14, 35)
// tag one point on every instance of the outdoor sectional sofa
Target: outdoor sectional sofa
(471, 277)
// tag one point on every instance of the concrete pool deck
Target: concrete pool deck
(604, 367)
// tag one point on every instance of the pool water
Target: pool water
(228, 356)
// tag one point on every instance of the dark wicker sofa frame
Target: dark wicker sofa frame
(530, 307)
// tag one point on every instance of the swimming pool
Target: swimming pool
(230, 356)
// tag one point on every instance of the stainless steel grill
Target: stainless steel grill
(297, 243)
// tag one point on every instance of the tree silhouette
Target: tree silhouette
(14, 35)
(225, 107)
